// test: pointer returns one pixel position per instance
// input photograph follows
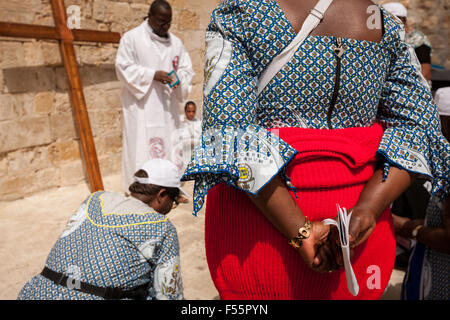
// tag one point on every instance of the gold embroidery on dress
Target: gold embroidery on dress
(174, 285)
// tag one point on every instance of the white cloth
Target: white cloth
(190, 134)
(442, 99)
(150, 108)
(396, 8)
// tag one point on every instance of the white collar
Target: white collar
(153, 35)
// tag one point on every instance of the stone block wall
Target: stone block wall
(39, 144)
(432, 17)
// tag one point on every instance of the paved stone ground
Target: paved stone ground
(29, 227)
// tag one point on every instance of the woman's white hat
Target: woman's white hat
(396, 8)
(162, 173)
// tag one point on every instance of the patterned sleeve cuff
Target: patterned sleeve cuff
(400, 149)
(245, 158)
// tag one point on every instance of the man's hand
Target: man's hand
(162, 76)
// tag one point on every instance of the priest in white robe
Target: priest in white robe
(149, 61)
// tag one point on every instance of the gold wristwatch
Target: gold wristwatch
(303, 233)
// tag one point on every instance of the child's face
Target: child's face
(190, 112)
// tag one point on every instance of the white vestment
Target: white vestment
(150, 108)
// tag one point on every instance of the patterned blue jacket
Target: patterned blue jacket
(113, 241)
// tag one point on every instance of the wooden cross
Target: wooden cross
(66, 37)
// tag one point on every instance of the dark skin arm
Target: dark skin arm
(374, 199)
(426, 71)
(277, 205)
(435, 238)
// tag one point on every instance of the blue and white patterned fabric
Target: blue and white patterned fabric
(113, 241)
(378, 84)
(428, 274)
(436, 269)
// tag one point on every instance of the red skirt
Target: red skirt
(249, 259)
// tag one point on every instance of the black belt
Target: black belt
(136, 293)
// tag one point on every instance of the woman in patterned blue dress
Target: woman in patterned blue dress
(428, 274)
(117, 247)
(353, 71)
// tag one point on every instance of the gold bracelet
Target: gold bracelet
(303, 233)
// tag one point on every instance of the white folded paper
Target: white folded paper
(343, 227)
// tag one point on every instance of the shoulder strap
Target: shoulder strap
(311, 22)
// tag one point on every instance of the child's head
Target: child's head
(189, 110)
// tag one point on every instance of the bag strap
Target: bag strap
(311, 22)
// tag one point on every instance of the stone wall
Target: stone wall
(432, 17)
(39, 145)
